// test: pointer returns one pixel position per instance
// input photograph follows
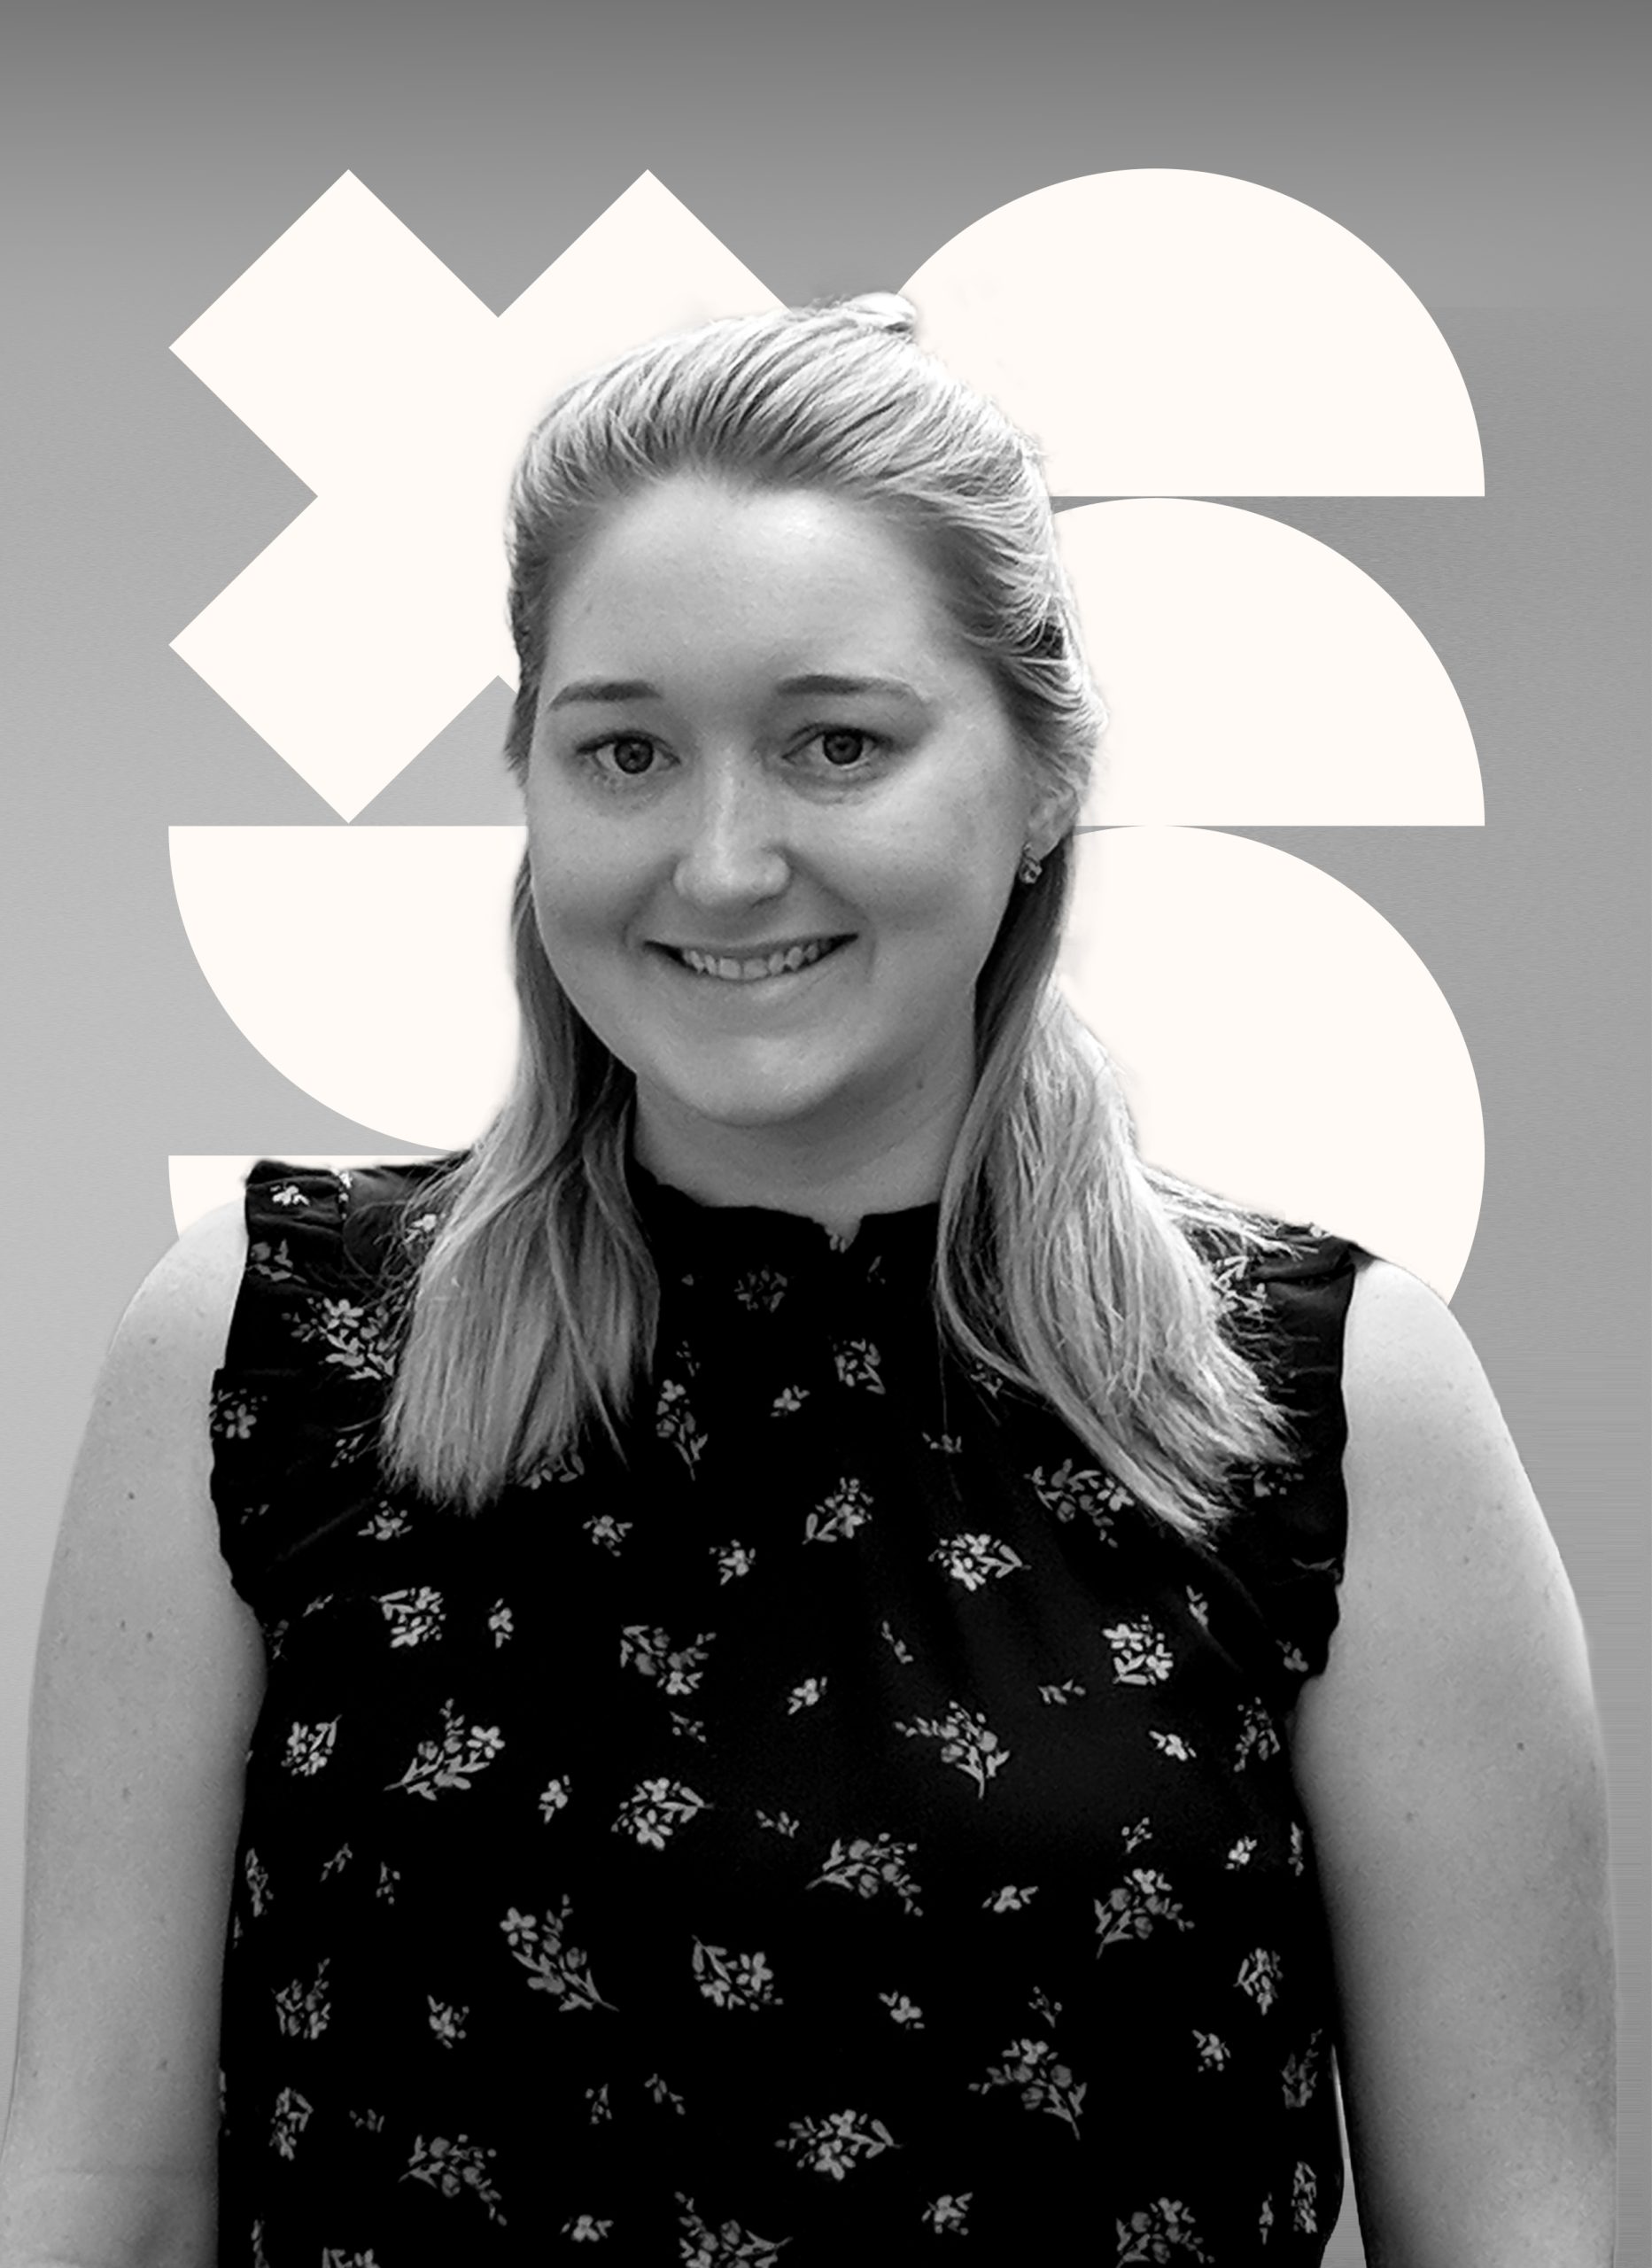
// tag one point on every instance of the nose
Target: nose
(734, 852)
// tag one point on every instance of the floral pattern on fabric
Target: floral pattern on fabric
(848, 1824)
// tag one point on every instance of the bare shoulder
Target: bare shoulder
(1406, 1360)
(143, 1477)
(1407, 1356)
(1449, 1759)
(142, 1480)
(1442, 1520)
(182, 1310)
(147, 1682)
(1454, 1598)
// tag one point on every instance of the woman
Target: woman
(817, 1658)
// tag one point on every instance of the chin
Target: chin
(750, 1101)
(747, 1109)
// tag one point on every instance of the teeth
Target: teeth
(747, 972)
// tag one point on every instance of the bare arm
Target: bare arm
(146, 1686)
(1450, 1760)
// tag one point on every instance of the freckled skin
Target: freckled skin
(720, 810)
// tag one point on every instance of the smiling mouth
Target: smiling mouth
(751, 968)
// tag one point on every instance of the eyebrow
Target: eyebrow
(607, 689)
(618, 689)
(824, 681)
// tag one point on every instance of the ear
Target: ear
(1053, 815)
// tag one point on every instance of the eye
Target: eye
(632, 754)
(845, 746)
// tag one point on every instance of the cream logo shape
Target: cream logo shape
(1279, 1039)
(363, 363)
(1174, 333)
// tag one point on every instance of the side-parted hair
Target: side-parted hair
(1064, 1265)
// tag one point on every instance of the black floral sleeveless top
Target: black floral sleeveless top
(850, 1828)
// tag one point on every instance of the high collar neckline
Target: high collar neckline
(884, 1243)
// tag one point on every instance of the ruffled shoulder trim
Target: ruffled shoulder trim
(310, 1355)
(1285, 1304)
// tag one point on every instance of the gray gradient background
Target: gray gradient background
(1489, 154)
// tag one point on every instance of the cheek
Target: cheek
(549, 881)
(577, 940)
(570, 934)
(951, 875)
(578, 888)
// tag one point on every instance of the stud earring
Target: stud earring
(1030, 867)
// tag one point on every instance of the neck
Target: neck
(834, 1179)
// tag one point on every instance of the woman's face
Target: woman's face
(774, 814)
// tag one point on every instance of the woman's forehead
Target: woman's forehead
(813, 580)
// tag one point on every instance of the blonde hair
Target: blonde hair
(1064, 1265)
